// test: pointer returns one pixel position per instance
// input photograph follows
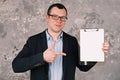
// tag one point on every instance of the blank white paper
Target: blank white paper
(91, 44)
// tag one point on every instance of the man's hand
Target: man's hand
(49, 55)
(105, 47)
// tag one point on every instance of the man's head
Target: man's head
(56, 17)
(58, 5)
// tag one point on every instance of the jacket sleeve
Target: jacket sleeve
(27, 58)
(87, 67)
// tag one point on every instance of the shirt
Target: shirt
(55, 68)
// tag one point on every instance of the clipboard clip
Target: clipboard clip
(87, 30)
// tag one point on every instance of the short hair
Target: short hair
(58, 5)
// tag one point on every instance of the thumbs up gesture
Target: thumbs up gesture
(49, 55)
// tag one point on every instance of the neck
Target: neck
(54, 35)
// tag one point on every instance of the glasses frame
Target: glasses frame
(56, 17)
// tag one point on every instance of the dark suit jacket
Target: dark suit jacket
(31, 58)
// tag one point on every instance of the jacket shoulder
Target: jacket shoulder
(37, 36)
(66, 35)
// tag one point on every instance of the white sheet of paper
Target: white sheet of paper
(91, 44)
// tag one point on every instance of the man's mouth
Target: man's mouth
(58, 25)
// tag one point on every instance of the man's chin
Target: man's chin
(57, 31)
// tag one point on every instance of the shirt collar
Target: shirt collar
(49, 37)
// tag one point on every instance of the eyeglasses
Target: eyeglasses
(56, 17)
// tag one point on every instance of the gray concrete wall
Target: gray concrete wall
(20, 19)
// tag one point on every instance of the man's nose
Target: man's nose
(59, 20)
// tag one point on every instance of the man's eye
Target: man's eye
(55, 16)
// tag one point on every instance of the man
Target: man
(52, 54)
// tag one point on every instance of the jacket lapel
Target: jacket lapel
(43, 41)
(43, 44)
(65, 50)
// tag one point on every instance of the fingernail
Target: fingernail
(64, 54)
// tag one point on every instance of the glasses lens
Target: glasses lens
(63, 18)
(55, 17)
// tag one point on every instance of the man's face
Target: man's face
(56, 20)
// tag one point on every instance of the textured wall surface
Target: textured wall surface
(20, 19)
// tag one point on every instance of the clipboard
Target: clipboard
(91, 44)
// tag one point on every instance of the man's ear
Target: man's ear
(47, 17)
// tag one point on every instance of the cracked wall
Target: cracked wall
(20, 19)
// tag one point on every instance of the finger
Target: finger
(106, 43)
(61, 53)
(105, 50)
(64, 54)
(105, 47)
